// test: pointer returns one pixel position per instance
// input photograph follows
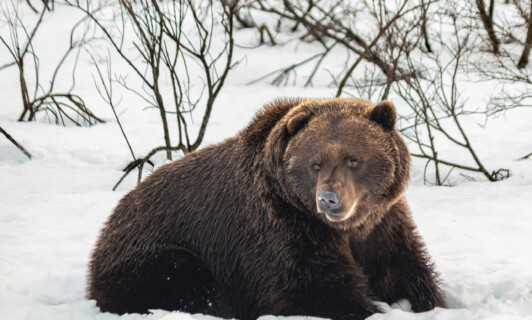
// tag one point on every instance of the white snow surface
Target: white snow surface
(52, 207)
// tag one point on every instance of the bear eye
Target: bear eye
(316, 167)
(352, 162)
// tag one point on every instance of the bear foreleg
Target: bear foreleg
(397, 264)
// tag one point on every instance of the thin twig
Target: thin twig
(18, 145)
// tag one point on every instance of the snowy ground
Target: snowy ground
(52, 207)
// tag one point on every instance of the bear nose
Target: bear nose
(329, 200)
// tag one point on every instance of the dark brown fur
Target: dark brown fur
(232, 230)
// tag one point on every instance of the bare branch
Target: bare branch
(18, 145)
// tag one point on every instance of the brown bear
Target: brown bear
(301, 213)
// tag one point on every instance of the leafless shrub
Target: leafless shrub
(438, 110)
(59, 107)
(336, 23)
(164, 49)
(509, 67)
(104, 86)
(513, 28)
(244, 19)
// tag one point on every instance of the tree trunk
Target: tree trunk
(487, 21)
(528, 43)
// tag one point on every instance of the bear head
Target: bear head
(340, 160)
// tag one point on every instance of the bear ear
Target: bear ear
(296, 122)
(384, 114)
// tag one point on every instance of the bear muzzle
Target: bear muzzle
(330, 204)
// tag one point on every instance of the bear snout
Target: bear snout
(329, 201)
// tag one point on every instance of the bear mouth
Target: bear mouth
(338, 216)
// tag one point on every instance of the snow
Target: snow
(53, 206)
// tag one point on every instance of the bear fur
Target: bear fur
(241, 228)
